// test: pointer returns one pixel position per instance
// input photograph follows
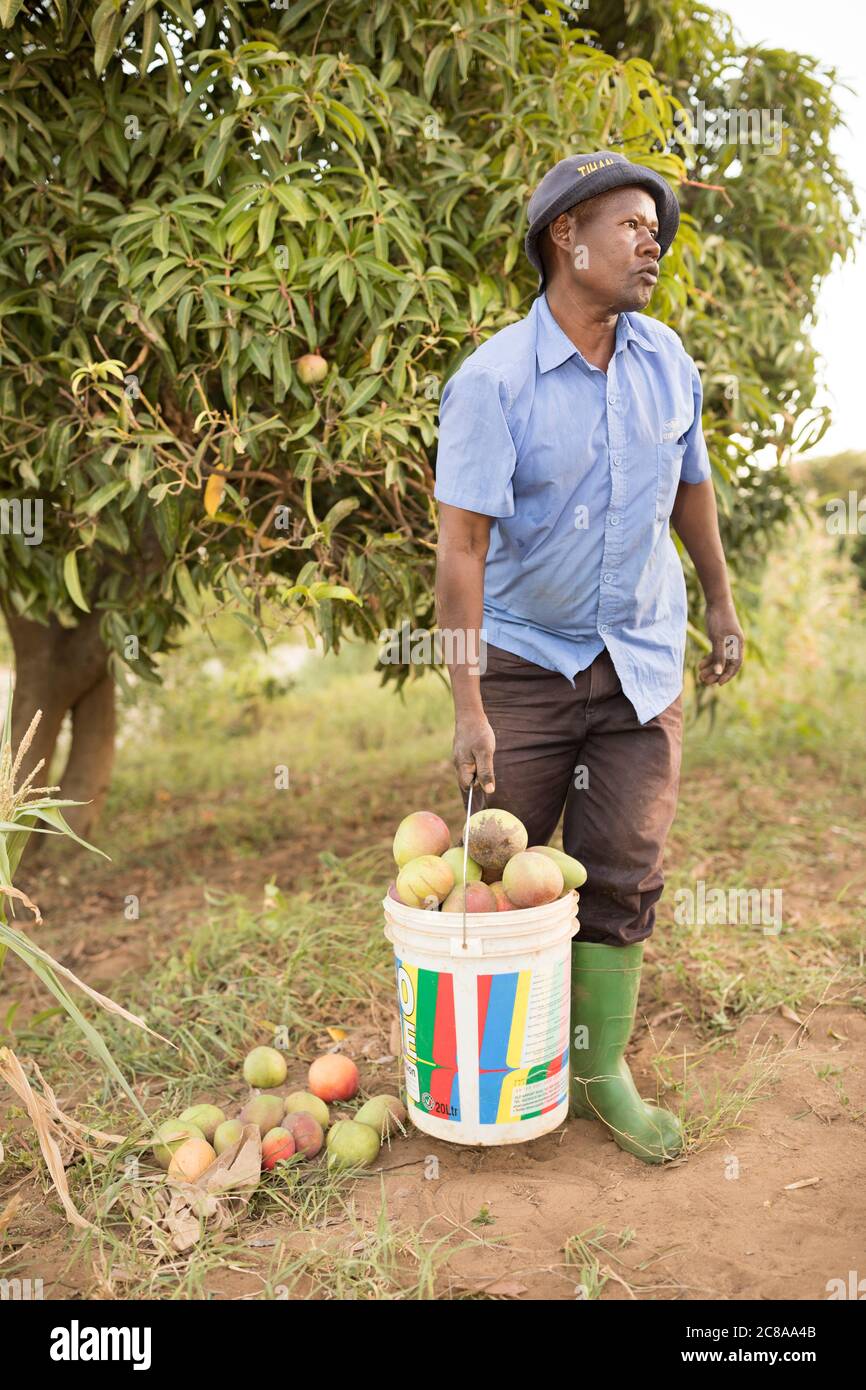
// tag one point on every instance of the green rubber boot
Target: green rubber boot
(604, 987)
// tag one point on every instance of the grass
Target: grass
(770, 797)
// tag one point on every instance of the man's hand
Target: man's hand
(726, 635)
(474, 746)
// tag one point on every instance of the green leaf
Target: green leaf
(188, 591)
(102, 496)
(72, 581)
(362, 394)
(106, 31)
(169, 287)
(267, 223)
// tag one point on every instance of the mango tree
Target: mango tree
(244, 245)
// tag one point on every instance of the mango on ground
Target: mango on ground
(228, 1133)
(277, 1145)
(170, 1135)
(306, 1132)
(353, 1146)
(265, 1068)
(207, 1117)
(333, 1077)
(263, 1111)
(192, 1159)
(312, 1105)
(333, 1131)
(385, 1114)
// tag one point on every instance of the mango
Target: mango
(305, 1101)
(264, 1111)
(530, 880)
(495, 837)
(265, 1068)
(170, 1135)
(454, 859)
(503, 902)
(333, 1077)
(573, 872)
(385, 1114)
(192, 1159)
(228, 1133)
(277, 1145)
(311, 368)
(306, 1132)
(333, 1131)
(206, 1117)
(353, 1146)
(424, 882)
(421, 833)
(479, 898)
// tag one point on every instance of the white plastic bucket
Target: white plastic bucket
(486, 1024)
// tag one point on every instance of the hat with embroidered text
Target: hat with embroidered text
(582, 176)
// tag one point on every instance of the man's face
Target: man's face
(611, 255)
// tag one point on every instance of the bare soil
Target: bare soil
(773, 1208)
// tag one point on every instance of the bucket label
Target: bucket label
(522, 1043)
(429, 1040)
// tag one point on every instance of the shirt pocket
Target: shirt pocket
(670, 462)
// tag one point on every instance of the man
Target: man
(568, 444)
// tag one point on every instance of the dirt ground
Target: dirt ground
(772, 1209)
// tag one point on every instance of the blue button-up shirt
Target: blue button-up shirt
(579, 469)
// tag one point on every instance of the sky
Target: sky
(833, 32)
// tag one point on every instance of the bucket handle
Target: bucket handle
(464, 944)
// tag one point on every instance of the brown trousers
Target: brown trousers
(583, 749)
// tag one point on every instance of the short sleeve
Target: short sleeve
(696, 461)
(476, 454)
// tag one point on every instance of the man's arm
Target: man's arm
(696, 522)
(460, 556)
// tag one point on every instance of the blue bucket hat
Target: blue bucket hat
(582, 176)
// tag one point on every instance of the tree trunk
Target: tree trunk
(60, 670)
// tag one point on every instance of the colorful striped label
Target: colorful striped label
(522, 1043)
(429, 1039)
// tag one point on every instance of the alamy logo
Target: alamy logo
(20, 1290)
(77, 1343)
(22, 517)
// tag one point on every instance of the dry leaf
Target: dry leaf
(804, 1182)
(48, 1132)
(219, 1196)
(213, 493)
(840, 1037)
(789, 1014)
(11, 1207)
(336, 1034)
(16, 893)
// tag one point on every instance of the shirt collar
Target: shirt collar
(553, 346)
